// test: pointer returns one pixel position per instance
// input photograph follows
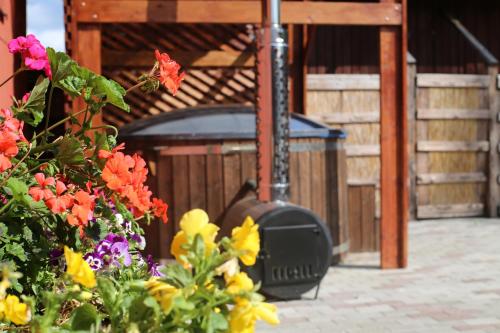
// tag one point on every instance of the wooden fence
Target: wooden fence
(453, 122)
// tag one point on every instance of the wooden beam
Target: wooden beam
(185, 58)
(494, 137)
(88, 54)
(348, 117)
(12, 24)
(343, 82)
(451, 210)
(453, 81)
(293, 12)
(353, 150)
(453, 146)
(480, 114)
(296, 68)
(451, 178)
(393, 144)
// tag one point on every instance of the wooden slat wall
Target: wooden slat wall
(452, 145)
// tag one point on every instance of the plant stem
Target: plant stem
(57, 124)
(138, 85)
(12, 76)
(16, 166)
(49, 107)
(4, 208)
(106, 126)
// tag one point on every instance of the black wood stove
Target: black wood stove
(296, 247)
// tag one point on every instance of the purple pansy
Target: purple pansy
(153, 267)
(95, 262)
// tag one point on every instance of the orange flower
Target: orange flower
(160, 209)
(82, 210)
(107, 154)
(169, 72)
(116, 172)
(41, 192)
(139, 199)
(8, 148)
(59, 203)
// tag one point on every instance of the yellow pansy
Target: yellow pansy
(15, 311)
(246, 240)
(239, 283)
(164, 293)
(192, 223)
(78, 268)
(244, 314)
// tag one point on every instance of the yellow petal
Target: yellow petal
(176, 248)
(15, 311)
(239, 283)
(193, 222)
(79, 269)
(267, 312)
(246, 239)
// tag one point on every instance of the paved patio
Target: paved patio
(452, 285)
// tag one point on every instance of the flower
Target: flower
(11, 131)
(153, 267)
(95, 261)
(42, 192)
(15, 311)
(229, 268)
(194, 222)
(164, 293)
(61, 202)
(243, 316)
(239, 283)
(169, 72)
(116, 172)
(79, 269)
(32, 52)
(82, 210)
(160, 209)
(246, 240)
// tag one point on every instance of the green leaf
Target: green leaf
(216, 322)
(16, 250)
(19, 191)
(73, 85)
(84, 317)
(33, 109)
(199, 246)
(70, 152)
(97, 230)
(108, 293)
(113, 92)
(60, 64)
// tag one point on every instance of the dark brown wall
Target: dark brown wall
(435, 43)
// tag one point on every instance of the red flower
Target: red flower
(61, 202)
(116, 172)
(41, 192)
(82, 210)
(107, 154)
(8, 148)
(160, 209)
(169, 72)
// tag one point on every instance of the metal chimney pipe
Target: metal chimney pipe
(280, 116)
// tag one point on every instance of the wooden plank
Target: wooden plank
(393, 144)
(186, 58)
(455, 210)
(180, 188)
(164, 186)
(305, 189)
(494, 137)
(215, 188)
(88, 54)
(296, 68)
(232, 180)
(349, 117)
(362, 150)
(448, 146)
(197, 182)
(412, 135)
(355, 209)
(292, 12)
(368, 230)
(317, 178)
(343, 82)
(436, 113)
(451, 178)
(452, 81)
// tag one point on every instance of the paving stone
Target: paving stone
(452, 284)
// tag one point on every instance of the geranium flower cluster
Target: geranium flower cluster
(168, 72)
(11, 132)
(125, 175)
(59, 199)
(32, 52)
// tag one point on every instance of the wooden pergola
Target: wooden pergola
(87, 16)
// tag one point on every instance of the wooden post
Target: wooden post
(87, 44)
(12, 24)
(393, 144)
(264, 107)
(493, 195)
(411, 112)
(297, 73)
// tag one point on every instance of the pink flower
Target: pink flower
(32, 52)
